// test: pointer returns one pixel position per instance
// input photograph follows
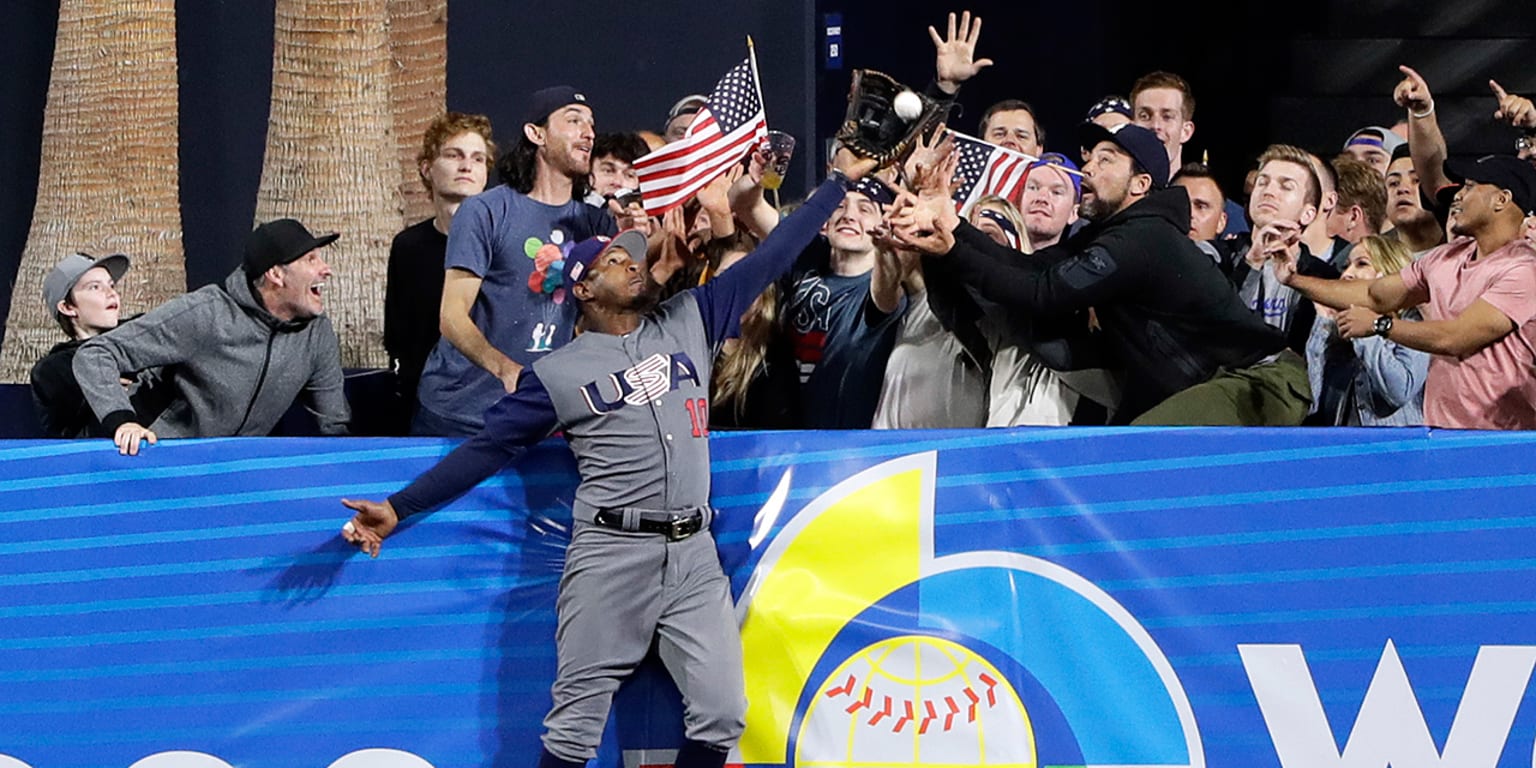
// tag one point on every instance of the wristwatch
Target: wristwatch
(1383, 325)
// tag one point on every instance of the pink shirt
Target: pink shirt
(1495, 387)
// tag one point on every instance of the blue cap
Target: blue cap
(1138, 142)
(874, 189)
(582, 254)
(546, 101)
(1057, 158)
(1108, 104)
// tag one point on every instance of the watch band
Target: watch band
(1383, 325)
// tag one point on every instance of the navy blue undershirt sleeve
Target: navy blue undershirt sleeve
(515, 423)
(723, 300)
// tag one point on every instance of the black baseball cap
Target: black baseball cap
(280, 242)
(1138, 142)
(1503, 171)
(545, 101)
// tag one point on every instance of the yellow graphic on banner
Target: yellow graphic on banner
(864, 544)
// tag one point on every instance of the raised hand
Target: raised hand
(926, 154)
(1513, 108)
(938, 178)
(954, 54)
(924, 224)
(1276, 242)
(373, 523)
(1413, 93)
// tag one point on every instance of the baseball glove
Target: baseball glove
(872, 128)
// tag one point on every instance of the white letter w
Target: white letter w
(1390, 729)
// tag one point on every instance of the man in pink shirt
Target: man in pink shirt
(1479, 292)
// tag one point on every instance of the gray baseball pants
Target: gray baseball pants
(620, 590)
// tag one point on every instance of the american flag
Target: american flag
(721, 134)
(987, 169)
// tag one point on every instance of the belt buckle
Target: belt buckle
(680, 528)
(676, 529)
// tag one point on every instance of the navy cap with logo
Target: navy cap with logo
(547, 100)
(582, 254)
(1138, 142)
(1503, 171)
(280, 242)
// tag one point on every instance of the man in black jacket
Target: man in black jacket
(1191, 352)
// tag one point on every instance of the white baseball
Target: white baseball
(908, 106)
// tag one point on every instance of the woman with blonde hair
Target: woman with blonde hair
(1369, 382)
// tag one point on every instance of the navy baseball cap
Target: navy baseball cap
(1504, 171)
(1138, 142)
(547, 100)
(580, 259)
(874, 189)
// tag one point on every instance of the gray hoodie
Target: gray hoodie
(234, 368)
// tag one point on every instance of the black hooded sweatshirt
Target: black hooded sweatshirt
(1169, 317)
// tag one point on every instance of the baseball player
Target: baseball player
(631, 396)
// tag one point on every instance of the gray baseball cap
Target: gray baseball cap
(62, 278)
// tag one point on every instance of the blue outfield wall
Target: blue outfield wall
(1077, 597)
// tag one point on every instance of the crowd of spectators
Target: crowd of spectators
(1388, 283)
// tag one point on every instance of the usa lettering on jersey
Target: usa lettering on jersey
(645, 382)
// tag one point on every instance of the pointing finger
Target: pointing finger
(1498, 91)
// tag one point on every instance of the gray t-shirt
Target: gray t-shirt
(504, 237)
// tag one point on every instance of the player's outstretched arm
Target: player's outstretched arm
(373, 523)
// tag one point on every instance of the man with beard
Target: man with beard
(631, 397)
(1191, 352)
(1479, 291)
(500, 310)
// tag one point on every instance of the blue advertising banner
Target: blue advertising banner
(1042, 598)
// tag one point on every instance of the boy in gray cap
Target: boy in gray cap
(81, 293)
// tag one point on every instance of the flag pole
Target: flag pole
(757, 82)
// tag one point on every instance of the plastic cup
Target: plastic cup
(780, 148)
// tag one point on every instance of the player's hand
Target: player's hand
(1356, 322)
(373, 523)
(954, 60)
(1412, 93)
(130, 436)
(508, 374)
(1513, 108)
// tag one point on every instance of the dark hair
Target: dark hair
(1166, 80)
(625, 147)
(1012, 105)
(1198, 170)
(519, 167)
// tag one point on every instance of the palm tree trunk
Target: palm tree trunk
(330, 161)
(109, 174)
(418, 45)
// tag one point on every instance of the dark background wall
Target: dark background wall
(1307, 72)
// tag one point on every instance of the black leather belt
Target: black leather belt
(675, 528)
